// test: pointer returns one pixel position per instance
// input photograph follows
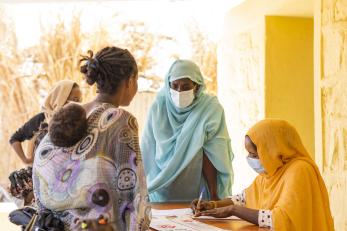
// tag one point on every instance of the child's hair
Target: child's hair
(108, 68)
(68, 125)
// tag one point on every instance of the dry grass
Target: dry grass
(57, 56)
(14, 89)
(205, 55)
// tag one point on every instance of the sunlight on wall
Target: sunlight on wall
(240, 86)
(331, 107)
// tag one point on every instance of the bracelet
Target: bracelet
(214, 203)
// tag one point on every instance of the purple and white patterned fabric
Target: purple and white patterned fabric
(101, 175)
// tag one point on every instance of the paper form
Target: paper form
(187, 212)
(180, 224)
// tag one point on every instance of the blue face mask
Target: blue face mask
(255, 164)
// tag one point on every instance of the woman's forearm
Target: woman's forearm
(223, 203)
(210, 174)
(247, 214)
(17, 147)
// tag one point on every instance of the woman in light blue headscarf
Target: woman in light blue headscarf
(185, 144)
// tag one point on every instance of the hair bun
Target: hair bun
(91, 68)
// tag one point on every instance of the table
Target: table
(5, 223)
(234, 225)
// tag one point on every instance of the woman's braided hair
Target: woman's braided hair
(108, 68)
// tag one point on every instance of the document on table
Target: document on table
(163, 223)
(172, 212)
(186, 212)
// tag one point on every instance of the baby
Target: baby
(68, 125)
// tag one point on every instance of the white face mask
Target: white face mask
(255, 164)
(182, 99)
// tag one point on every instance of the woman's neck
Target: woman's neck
(106, 98)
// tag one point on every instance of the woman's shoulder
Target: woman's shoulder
(212, 105)
(112, 117)
(106, 108)
(299, 163)
(127, 114)
(301, 167)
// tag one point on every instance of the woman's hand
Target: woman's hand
(204, 205)
(217, 213)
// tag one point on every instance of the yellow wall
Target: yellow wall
(289, 74)
(246, 61)
(331, 102)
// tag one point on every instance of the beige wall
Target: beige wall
(240, 85)
(331, 102)
(289, 74)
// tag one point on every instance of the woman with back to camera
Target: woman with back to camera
(89, 165)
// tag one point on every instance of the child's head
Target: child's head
(68, 125)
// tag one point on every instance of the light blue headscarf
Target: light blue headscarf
(174, 136)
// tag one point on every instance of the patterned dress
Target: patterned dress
(101, 175)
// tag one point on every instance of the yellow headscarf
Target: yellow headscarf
(57, 97)
(292, 187)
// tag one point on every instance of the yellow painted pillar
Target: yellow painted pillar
(289, 74)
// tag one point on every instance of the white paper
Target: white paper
(172, 212)
(163, 223)
(186, 212)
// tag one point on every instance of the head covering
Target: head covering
(173, 136)
(185, 69)
(57, 98)
(292, 186)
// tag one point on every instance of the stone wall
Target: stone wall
(333, 86)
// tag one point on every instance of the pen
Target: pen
(200, 197)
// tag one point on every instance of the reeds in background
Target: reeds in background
(205, 55)
(27, 75)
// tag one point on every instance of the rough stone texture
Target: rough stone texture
(240, 77)
(332, 43)
(334, 106)
(341, 10)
